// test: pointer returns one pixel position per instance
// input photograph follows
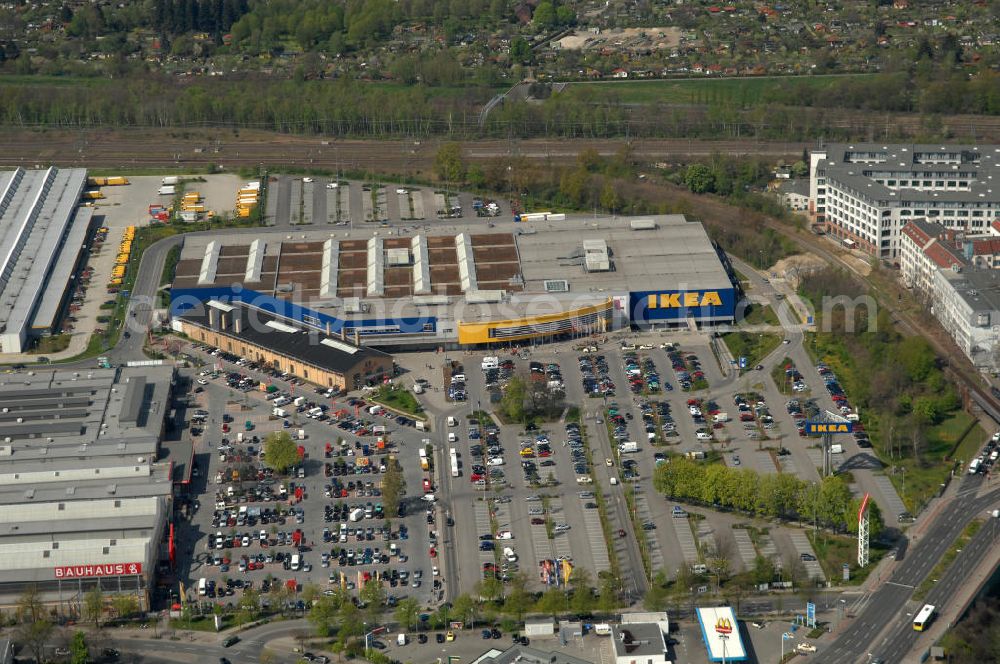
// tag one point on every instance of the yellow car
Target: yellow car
(450, 636)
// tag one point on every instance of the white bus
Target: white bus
(454, 462)
(924, 618)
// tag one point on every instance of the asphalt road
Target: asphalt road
(887, 603)
(197, 649)
(898, 645)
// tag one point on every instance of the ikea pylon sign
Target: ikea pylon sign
(822, 428)
(714, 305)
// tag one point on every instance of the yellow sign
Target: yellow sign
(829, 427)
(687, 300)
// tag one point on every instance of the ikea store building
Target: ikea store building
(466, 285)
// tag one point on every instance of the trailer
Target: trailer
(170, 179)
(167, 190)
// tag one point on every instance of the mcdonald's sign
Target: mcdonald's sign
(724, 626)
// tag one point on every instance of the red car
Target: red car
(433, 552)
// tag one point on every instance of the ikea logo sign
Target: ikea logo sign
(687, 300)
(820, 428)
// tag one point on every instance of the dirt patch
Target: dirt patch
(793, 268)
(625, 39)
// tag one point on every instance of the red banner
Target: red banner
(104, 569)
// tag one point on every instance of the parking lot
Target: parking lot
(293, 200)
(324, 524)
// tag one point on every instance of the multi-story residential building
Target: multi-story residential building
(955, 276)
(866, 193)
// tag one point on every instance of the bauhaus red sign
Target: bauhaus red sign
(90, 571)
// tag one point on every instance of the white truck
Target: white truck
(720, 418)
(299, 401)
(170, 179)
(628, 447)
(279, 412)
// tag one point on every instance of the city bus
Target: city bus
(454, 462)
(924, 618)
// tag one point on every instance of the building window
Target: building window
(305, 373)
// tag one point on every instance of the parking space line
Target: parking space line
(652, 543)
(706, 537)
(595, 534)
(763, 461)
(744, 546)
(686, 540)
(767, 548)
(802, 545)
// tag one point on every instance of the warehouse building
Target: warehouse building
(864, 194)
(264, 338)
(83, 502)
(42, 233)
(470, 285)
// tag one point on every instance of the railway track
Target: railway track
(178, 149)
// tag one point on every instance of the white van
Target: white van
(296, 562)
(421, 426)
(509, 555)
(490, 363)
(452, 438)
(836, 448)
(202, 587)
(452, 422)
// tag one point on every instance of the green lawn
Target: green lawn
(835, 550)
(921, 482)
(753, 346)
(756, 314)
(52, 344)
(399, 399)
(741, 91)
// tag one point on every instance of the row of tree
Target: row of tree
(828, 503)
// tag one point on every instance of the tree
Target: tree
(513, 400)
(393, 488)
(611, 200)
(699, 178)
(407, 612)
(29, 605)
(448, 163)
(280, 451)
(763, 570)
(552, 602)
(79, 653)
(466, 608)
(518, 598)
(124, 605)
(520, 50)
(544, 16)
(93, 606)
(35, 635)
(323, 615)
(249, 607)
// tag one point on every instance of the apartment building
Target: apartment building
(864, 194)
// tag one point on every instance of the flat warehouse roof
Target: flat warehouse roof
(262, 329)
(36, 213)
(482, 268)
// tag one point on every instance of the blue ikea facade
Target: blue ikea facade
(714, 305)
(183, 299)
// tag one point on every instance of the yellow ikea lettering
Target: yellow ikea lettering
(686, 300)
(831, 428)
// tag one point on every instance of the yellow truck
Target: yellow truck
(115, 181)
(96, 181)
(93, 195)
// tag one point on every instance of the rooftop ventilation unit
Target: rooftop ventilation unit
(557, 286)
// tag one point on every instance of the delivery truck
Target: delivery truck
(628, 447)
